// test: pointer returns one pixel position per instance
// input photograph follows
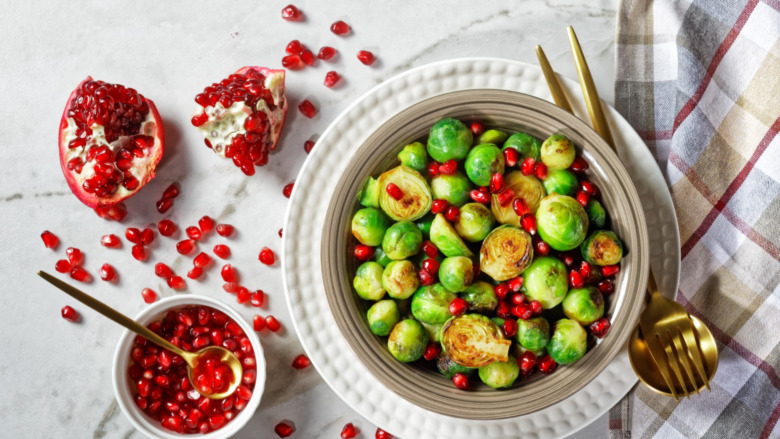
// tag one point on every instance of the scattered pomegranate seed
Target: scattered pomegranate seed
(568, 259)
(458, 306)
(575, 279)
(394, 191)
(116, 212)
(610, 270)
(510, 328)
(307, 108)
(228, 273)
(301, 362)
(80, 274)
(339, 28)
(147, 236)
(287, 190)
(430, 249)
(110, 241)
(258, 298)
(517, 299)
(164, 205)
(206, 224)
(461, 381)
(501, 290)
(479, 196)
(222, 251)
(452, 214)
(280, 232)
(527, 167)
(476, 128)
(258, 323)
(69, 313)
(381, 434)
(139, 252)
(224, 230)
(195, 273)
(326, 53)
(107, 272)
(522, 311)
(292, 62)
(366, 57)
(267, 256)
(272, 323)
(546, 365)
(540, 170)
(284, 429)
(294, 47)
(176, 282)
(433, 169)
(243, 295)
(542, 248)
(75, 257)
(193, 233)
(449, 167)
(506, 196)
(185, 246)
(536, 307)
(526, 361)
(349, 431)
(162, 270)
(291, 13)
(308, 57)
(502, 310)
(510, 157)
(528, 222)
(230, 287)
(431, 265)
(497, 183)
(149, 295)
(166, 227)
(171, 191)
(439, 206)
(585, 270)
(606, 286)
(432, 351)
(363, 252)
(308, 146)
(600, 327)
(582, 198)
(515, 283)
(331, 78)
(62, 266)
(134, 235)
(579, 165)
(50, 240)
(202, 260)
(589, 188)
(425, 277)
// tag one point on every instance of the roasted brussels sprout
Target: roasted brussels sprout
(430, 304)
(528, 188)
(475, 222)
(407, 340)
(597, 216)
(482, 162)
(545, 281)
(414, 156)
(492, 136)
(449, 139)
(584, 305)
(400, 279)
(505, 253)
(500, 374)
(481, 297)
(454, 188)
(561, 222)
(533, 334)
(456, 273)
(416, 200)
(602, 247)
(424, 224)
(369, 193)
(557, 152)
(473, 340)
(368, 281)
(448, 368)
(444, 236)
(525, 144)
(381, 257)
(434, 331)
(383, 316)
(560, 181)
(402, 240)
(369, 225)
(568, 342)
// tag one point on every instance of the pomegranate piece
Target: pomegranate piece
(505, 197)
(479, 196)
(134, 235)
(193, 233)
(224, 230)
(139, 252)
(194, 273)
(349, 431)
(425, 277)
(147, 236)
(331, 78)
(575, 279)
(242, 116)
(510, 157)
(301, 362)
(536, 307)
(166, 227)
(162, 270)
(307, 108)
(230, 287)
(202, 260)
(431, 265)
(452, 214)
(546, 365)
(176, 282)
(600, 327)
(272, 324)
(520, 206)
(222, 251)
(339, 28)
(206, 224)
(149, 295)
(164, 205)
(284, 429)
(258, 298)
(439, 206)
(243, 295)
(185, 246)
(110, 142)
(293, 62)
(528, 221)
(110, 241)
(267, 256)
(381, 434)
(107, 272)
(228, 273)
(542, 248)
(461, 381)
(582, 198)
(430, 249)
(292, 13)
(258, 322)
(510, 328)
(606, 286)
(74, 255)
(326, 53)
(497, 184)
(579, 165)
(458, 306)
(80, 274)
(366, 57)
(540, 170)
(294, 47)
(610, 270)
(287, 189)
(363, 252)
(526, 361)
(172, 191)
(432, 351)
(50, 240)
(394, 191)
(62, 266)
(527, 167)
(515, 283)
(449, 167)
(433, 169)
(70, 314)
(501, 290)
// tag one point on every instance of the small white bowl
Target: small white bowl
(146, 424)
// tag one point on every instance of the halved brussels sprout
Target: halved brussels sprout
(400, 279)
(434, 331)
(597, 216)
(407, 341)
(533, 334)
(454, 188)
(602, 247)
(473, 340)
(482, 162)
(568, 343)
(446, 239)
(417, 198)
(528, 188)
(500, 374)
(368, 281)
(449, 139)
(584, 305)
(525, 144)
(481, 297)
(402, 240)
(369, 193)
(492, 136)
(383, 316)
(431, 304)
(505, 253)
(381, 257)
(561, 181)
(545, 281)
(474, 222)
(369, 225)
(561, 222)
(557, 152)
(449, 368)
(414, 156)
(456, 273)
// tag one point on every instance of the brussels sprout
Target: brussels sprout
(454, 188)
(449, 368)
(402, 239)
(545, 281)
(505, 253)
(557, 152)
(481, 297)
(533, 334)
(561, 222)
(414, 156)
(602, 247)
(446, 239)
(474, 222)
(381, 257)
(369, 193)
(407, 341)
(434, 331)
(482, 162)
(584, 305)
(498, 321)
(560, 181)
(500, 374)
(424, 224)
(525, 144)
(456, 273)
(473, 340)
(417, 198)
(492, 136)
(382, 317)
(449, 139)
(400, 279)
(368, 281)
(369, 225)
(597, 216)
(528, 188)
(431, 304)
(568, 342)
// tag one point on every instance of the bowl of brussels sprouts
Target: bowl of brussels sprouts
(485, 254)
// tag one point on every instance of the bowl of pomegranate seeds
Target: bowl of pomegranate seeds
(152, 384)
(485, 254)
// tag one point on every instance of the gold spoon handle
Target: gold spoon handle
(112, 314)
(559, 96)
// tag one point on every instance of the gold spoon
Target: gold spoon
(193, 359)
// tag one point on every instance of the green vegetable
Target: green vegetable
(402, 240)
(407, 341)
(568, 342)
(446, 239)
(561, 222)
(473, 340)
(557, 152)
(602, 247)
(597, 216)
(414, 156)
(381, 257)
(481, 297)
(400, 279)
(424, 224)
(369, 193)
(383, 316)
(454, 188)
(417, 198)
(505, 253)
(369, 225)
(561, 181)
(526, 187)
(500, 374)
(545, 281)
(456, 273)
(449, 368)
(525, 144)
(474, 222)
(368, 281)
(482, 162)
(584, 305)
(449, 139)
(430, 304)
(434, 331)
(492, 136)
(533, 334)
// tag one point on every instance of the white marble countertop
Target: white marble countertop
(169, 52)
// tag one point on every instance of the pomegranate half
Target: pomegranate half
(242, 116)
(110, 140)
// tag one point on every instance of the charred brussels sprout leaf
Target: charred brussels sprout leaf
(369, 225)
(446, 239)
(400, 279)
(545, 281)
(414, 156)
(525, 144)
(561, 222)
(473, 340)
(500, 374)
(584, 305)
(481, 297)
(482, 162)
(416, 200)
(568, 342)
(453, 188)
(602, 247)
(430, 304)
(449, 139)
(456, 273)
(368, 281)
(560, 181)
(557, 152)
(383, 316)
(533, 334)
(505, 253)
(402, 240)
(526, 187)
(407, 341)
(475, 222)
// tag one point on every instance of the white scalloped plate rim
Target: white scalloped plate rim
(305, 295)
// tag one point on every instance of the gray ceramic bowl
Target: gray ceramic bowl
(419, 383)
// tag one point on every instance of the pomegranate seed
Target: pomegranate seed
(394, 191)
(529, 223)
(110, 241)
(171, 191)
(527, 167)
(63, 266)
(228, 273)
(202, 260)
(284, 429)
(515, 283)
(258, 322)
(585, 270)
(610, 270)
(258, 298)
(331, 78)
(582, 198)
(433, 169)
(185, 246)
(606, 286)
(113, 213)
(431, 265)
(308, 57)
(439, 206)
(162, 270)
(195, 273)
(458, 306)
(75, 257)
(449, 167)
(536, 307)
(517, 299)
(224, 230)
(149, 295)
(575, 279)
(176, 282)
(308, 146)
(339, 28)
(147, 236)
(479, 196)
(452, 214)
(139, 252)
(307, 108)
(546, 365)
(50, 240)
(579, 165)
(107, 272)
(272, 323)
(381, 434)
(222, 251)
(206, 224)
(230, 287)
(164, 205)
(502, 310)
(294, 47)
(292, 62)
(349, 431)
(267, 256)
(166, 227)
(542, 248)
(510, 328)
(510, 157)
(134, 235)
(430, 249)
(216, 421)
(243, 295)
(363, 252)
(501, 290)
(600, 327)
(80, 274)
(287, 190)
(193, 232)
(291, 13)
(521, 311)
(526, 361)
(70, 314)
(301, 362)
(568, 259)
(540, 170)
(326, 53)
(589, 188)
(425, 277)
(497, 183)
(505, 197)
(476, 128)
(461, 381)
(432, 351)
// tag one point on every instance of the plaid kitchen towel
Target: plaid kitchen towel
(700, 81)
